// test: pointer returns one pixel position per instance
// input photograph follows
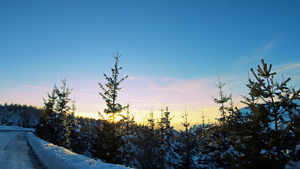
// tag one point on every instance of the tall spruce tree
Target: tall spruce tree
(260, 136)
(169, 157)
(222, 100)
(147, 144)
(63, 110)
(108, 142)
(58, 121)
(46, 129)
(128, 121)
(110, 92)
(128, 150)
(220, 130)
(188, 143)
(74, 129)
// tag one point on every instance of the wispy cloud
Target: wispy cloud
(49, 89)
(137, 78)
(141, 101)
(170, 91)
(298, 77)
(288, 67)
(260, 52)
(30, 86)
(150, 94)
(180, 85)
(85, 94)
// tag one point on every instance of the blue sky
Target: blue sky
(171, 50)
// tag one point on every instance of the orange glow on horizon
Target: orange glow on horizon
(141, 117)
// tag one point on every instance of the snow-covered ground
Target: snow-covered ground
(55, 157)
(15, 128)
(15, 153)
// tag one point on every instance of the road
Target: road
(15, 153)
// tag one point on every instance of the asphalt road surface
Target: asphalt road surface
(15, 152)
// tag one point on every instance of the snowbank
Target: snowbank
(15, 128)
(294, 164)
(55, 157)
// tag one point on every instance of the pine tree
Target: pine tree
(86, 135)
(151, 121)
(110, 92)
(63, 110)
(20, 115)
(128, 150)
(162, 128)
(263, 131)
(46, 129)
(74, 128)
(147, 142)
(222, 100)
(169, 157)
(108, 142)
(146, 146)
(58, 123)
(188, 143)
(222, 144)
(128, 121)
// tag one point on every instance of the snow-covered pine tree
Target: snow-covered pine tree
(108, 142)
(147, 146)
(63, 110)
(106, 145)
(128, 121)
(20, 115)
(233, 129)
(110, 92)
(188, 143)
(222, 100)
(86, 135)
(151, 121)
(74, 128)
(266, 134)
(221, 143)
(152, 143)
(46, 128)
(169, 157)
(129, 149)
(146, 141)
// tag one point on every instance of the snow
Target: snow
(245, 111)
(15, 152)
(55, 157)
(231, 151)
(15, 128)
(297, 148)
(263, 151)
(294, 164)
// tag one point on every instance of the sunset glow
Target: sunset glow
(171, 51)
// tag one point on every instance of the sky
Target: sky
(172, 51)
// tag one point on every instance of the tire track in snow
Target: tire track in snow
(15, 153)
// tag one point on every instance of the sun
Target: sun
(116, 118)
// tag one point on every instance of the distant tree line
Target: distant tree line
(19, 115)
(265, 134)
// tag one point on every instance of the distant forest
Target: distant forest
(19, 115)
(266, 134)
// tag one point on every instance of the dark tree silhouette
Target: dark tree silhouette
(110, 91)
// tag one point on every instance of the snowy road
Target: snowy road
(15, 152)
